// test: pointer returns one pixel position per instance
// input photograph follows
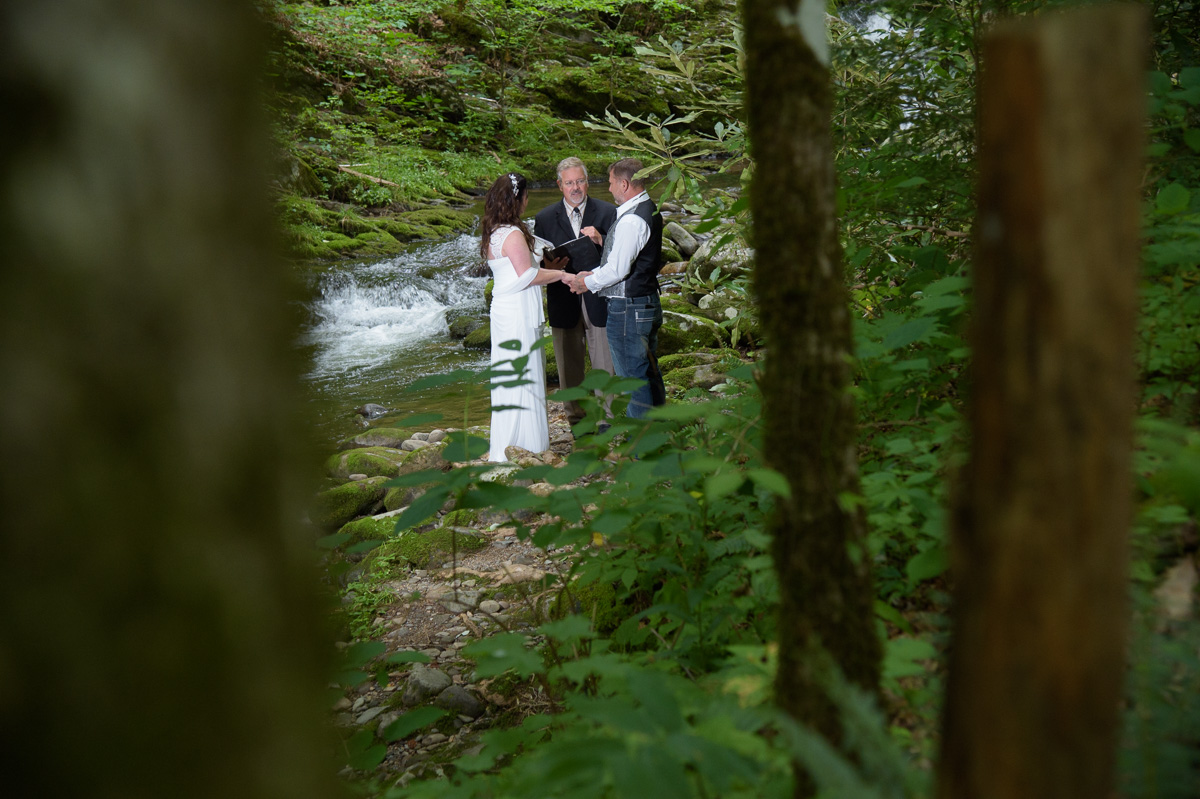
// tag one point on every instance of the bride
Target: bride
(516, 316)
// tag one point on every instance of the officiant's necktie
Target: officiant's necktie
(576, 220)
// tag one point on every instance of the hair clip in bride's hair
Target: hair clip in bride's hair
(513, 179)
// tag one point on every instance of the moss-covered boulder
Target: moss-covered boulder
(389, 437)
(464, 324)
(480, 339)
(371, 461)
(732, 259)
(430, 547)
(340, 504)
(386, 461)
(683, 332)
(670, 255)
(676, 303)
(681, 239)
(369, 528)
(577, 91)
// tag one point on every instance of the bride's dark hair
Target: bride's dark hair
(502, 206)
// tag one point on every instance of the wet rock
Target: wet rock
(371, 410)
(684, 241)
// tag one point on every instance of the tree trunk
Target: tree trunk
(159, 634)
(1039, 551)
(820, 548)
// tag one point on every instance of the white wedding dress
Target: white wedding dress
(516, 315)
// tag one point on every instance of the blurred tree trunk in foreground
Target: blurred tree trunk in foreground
(1040, 551)
(820, 548)
(159, 632)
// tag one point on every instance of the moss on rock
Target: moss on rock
(338, 505)
(390, 437)
(371, 461)
(423, 549)
(370, 528)
(597, 601)
(479, 339)
(683, 332)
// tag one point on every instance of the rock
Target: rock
(420, 436)
(386, 720)
(461, 601)
(436, 435)
(433, 738)
(367, 715)
(424, 683)
(490, 606)
(413, 444)
(1176, 593)
(677, 268)
(684, 241)
(464, 325)
(357, 477)
(373, 461)
(542, 489)
(459, 700)
(479, 339)
(341, 504)
(371, 410)
(732, 259)
(378, 437)
(685, 332)
(371, 528)
(670, 254)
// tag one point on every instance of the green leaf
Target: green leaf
(567, 394)
(333, 541)
(407, 657)
(422, 508)
(928, 564)
(412, 721)
(1189, 77)
(722, 485)
(770, 480)
(362, 753)
(502, 653)
(361, 653)
(362, 547)
(569, 630)
(889, 613)
(419, 420)
(919, 329)
(462, 446)
(901, 655)
(907, 184)
(435, 381)
(1173, 199)
(1192, 139)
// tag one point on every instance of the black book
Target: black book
(582, 254)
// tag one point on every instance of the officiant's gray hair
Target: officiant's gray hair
(626, 168)
(571, 162)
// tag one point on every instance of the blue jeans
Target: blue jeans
(633, 324)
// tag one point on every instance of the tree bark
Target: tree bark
(1039, 545)
(820, 549)
(160, 629)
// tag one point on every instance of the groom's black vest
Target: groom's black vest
(642, 280)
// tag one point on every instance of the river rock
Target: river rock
(379, 437)
(414, 444)
(733, 258)
(479, 339)
(684, 241)
(686, 332)
(340, 504)
(371, 410)
(490, 606)
(459, 700)
(677, 268)
(436, 435)
(460, 601)
(424, 683)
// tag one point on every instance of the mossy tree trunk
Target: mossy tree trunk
(1040, 548)
(820, 550)
(159, 633)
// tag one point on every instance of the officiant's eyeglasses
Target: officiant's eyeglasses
(575, 183)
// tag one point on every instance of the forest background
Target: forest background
(158, 634)
(428, 100)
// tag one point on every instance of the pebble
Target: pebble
(368, 715)
(490, 606)
(433, 738)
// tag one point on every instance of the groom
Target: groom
(574, 319)
(627, 279)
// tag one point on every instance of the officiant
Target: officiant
(575, 320)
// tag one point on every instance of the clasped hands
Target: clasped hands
(575, 282)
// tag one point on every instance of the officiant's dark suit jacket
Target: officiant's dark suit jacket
(551, 223)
